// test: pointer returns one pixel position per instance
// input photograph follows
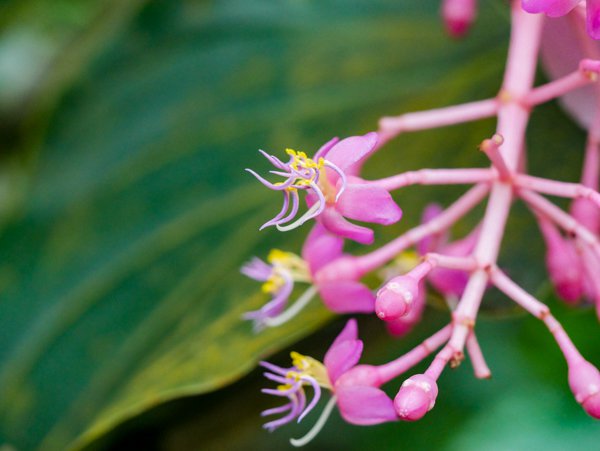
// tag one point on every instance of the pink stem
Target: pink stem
(447, 218)
(480, 367)
(564, 220)
(491, 147)
(436, 177)
(556, 188)
(390, 127)
(402, 364)
(512, 122)
(538, 309)
(441, 360)
(446, 261)
(586, 74)
(517, 294)
(591, 163)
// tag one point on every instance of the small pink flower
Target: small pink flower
(335, 193)
(355, 388)
(285, 269)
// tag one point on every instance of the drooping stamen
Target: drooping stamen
(274, 186)
(296, 308)
(273, 160)
(309, 214)
(284, 209)
(339, 172)
(276, 410)
(316, 396)
(298, 442)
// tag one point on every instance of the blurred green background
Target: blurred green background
(125, 213)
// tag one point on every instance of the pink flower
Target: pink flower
(557, 8)
(335, 193)
(340, 295)
(285, 269)
(355, 388)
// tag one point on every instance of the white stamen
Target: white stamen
(342, 176)
(293, 310)
(310, 213)
(297, 442)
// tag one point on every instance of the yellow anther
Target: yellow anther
(302, 161)
(272, 284)
(300, 361)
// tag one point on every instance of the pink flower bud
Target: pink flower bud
(403, 325)
(416, 397)
(563, 264)
(584, 380)
(458, 16)
(396, 297)
(587, 213)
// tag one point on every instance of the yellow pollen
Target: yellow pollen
(301, 161)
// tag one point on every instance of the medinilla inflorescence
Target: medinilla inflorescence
(330, 185)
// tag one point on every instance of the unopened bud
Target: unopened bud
(416, 397)
(396, 298)
(584, 380)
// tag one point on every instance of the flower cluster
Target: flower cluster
(461, 269)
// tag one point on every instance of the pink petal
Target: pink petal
(368, 203)
(561, 53)
(321, 247)
(349, 332)
(364, 405)
(432, 242)
(335, 223)
(449, 282)
(553, 8)
(347, 296)
(593, 18)
(325, 148)
(350, 153)
(341, 357)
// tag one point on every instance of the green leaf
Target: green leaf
(119, 283)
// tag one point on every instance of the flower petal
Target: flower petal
(335, 223)
(593, 18)
(350, 153)
(341, 357)
(321, 247)
(347, 296)
(432, 242)
(561, 52)
(325, 148)
(364, 406)
(368, 203)
(552, 8)
(349, 332)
